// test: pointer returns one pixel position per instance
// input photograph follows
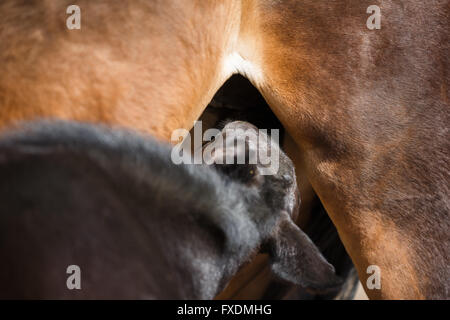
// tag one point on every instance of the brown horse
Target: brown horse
(368, 110)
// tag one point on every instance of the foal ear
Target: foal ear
(295, 258)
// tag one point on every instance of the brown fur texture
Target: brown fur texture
(147, 65)
(368, 109)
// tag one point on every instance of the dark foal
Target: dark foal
(139, 226)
